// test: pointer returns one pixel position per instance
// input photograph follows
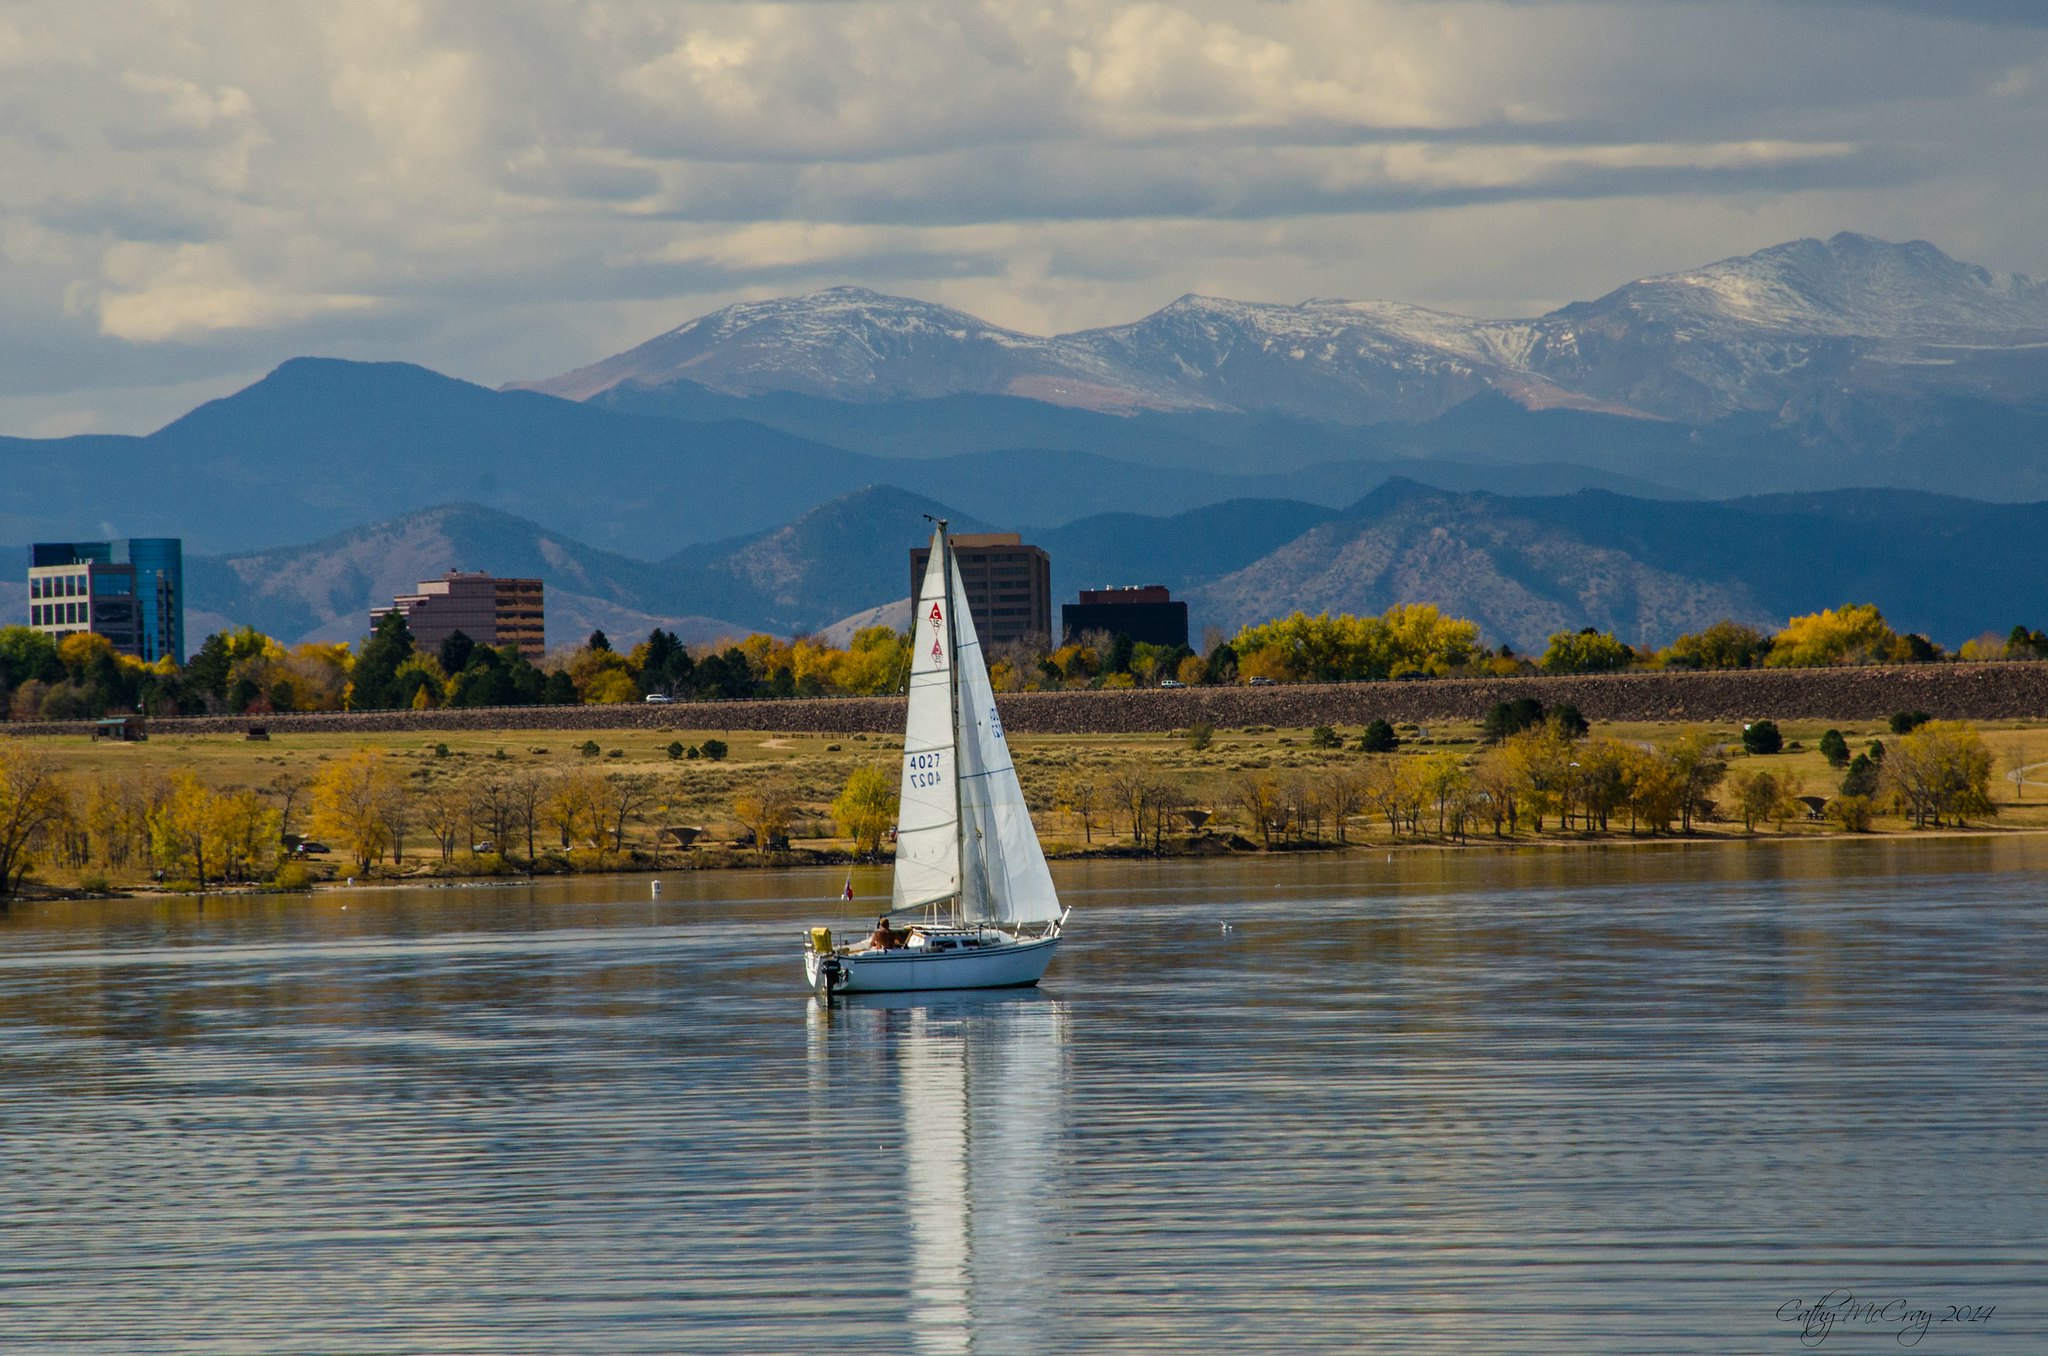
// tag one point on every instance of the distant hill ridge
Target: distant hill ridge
(1521, 566)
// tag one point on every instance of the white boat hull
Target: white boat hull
(1008, 965)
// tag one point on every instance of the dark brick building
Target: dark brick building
(1147, 613)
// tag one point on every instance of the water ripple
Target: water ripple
(1550, 1102)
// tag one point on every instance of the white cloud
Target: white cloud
(507, 189)
(157, 292)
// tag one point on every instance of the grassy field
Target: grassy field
(701, 791)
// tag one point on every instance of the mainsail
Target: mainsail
(962, 828)
(927, 820)
(1004, 877)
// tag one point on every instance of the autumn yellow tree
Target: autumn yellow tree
(33, 799)
(1653, 788)
(1447, 784)
(766, 807)
(1941, 770)
(1697, 767)
(1760, 796)
(875, 662)
(574, 808)
(1398, 788)
(1498, 787)
(1848, 635)
(1540, 760)
(1405, 638)
(350, 804)
(1600, 781)
(184, 826)
(866, 808)
(115, 818)
(245, 827)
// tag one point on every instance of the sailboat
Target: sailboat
(971, 880)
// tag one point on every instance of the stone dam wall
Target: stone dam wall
(2008, 691)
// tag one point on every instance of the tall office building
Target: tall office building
(1009, 585)
(489, 610)
(131, 591)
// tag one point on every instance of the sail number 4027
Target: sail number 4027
(923, 769)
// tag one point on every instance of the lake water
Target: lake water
(1664, 1099)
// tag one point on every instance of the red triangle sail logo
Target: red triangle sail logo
(936, 616)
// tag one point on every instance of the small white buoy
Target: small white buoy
(657, 889)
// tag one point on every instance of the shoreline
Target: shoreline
(1487, 843)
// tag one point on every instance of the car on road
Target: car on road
(658, 698)
(1261, 682)
(1171, 682)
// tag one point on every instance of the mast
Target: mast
(953, 697)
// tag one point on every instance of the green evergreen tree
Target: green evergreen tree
(208, 670)
(376, 670)
(1862, 778)
(1568, 721)
(1379, 737)
(1506, 718)
(455, 653)
(1118, 660)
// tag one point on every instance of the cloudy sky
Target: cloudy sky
(192, 191)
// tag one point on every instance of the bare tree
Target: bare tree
(625, 796)
(397, 808)
(1168, 798)
(1082, 799)
(287, 787)
(525, 794)
(1344, 793)
(1258, 795)
(445, 811)
(1131, 792)
(492, 807)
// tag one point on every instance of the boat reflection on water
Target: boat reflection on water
(980, 1080)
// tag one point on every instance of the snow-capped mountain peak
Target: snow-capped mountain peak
(1745, 333)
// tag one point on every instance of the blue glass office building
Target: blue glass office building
(163, 607)
(150, 571)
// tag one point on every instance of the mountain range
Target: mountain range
(1523, 567)
(1755, 437)
(1808, 366)
(1776, 330)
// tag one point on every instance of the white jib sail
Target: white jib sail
(1003, 873)
(927, 829)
